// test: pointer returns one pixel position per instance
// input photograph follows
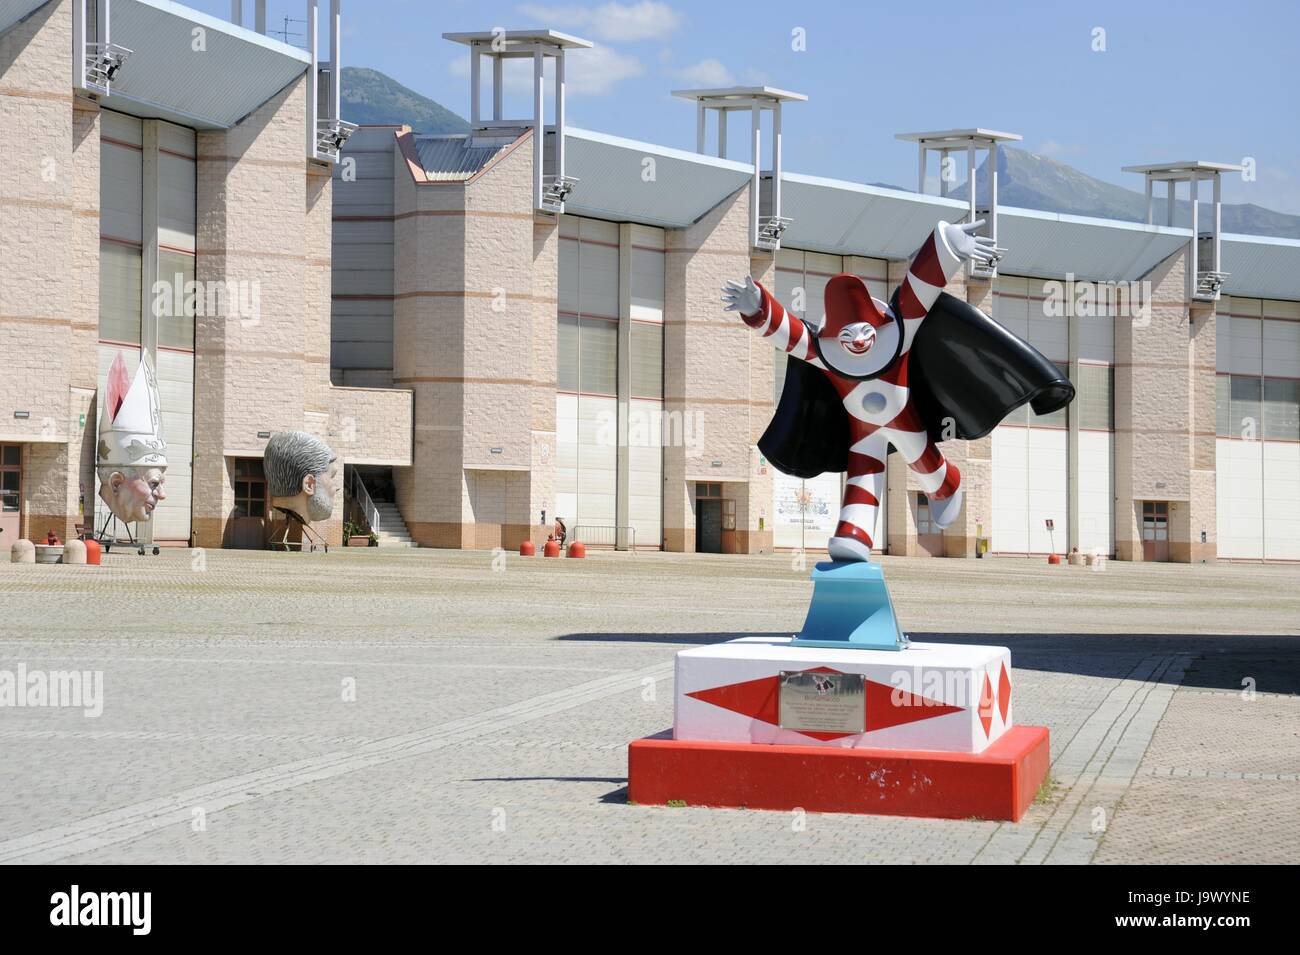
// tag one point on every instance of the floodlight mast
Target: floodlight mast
(549, 192)
(764, 230)
(1203, 284)
(948, 141)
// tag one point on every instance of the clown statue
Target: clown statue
(132, 455)
(873, 378)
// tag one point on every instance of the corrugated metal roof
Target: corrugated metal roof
(452, 158)
(849, 218)
(1048, 245)
(165, 77)
(614, 181)
(13, 11)
(1261, 266)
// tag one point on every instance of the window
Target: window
(647, 360)
(175, 327)
(1243, 406)
(923, 523)
(119, 292)
(1155, 520)
(9, 497)
(1282, 409)
(567, 354)
(250, 488)
(705, 489)
(598, 356)
(1222, 406)
(1096, 399)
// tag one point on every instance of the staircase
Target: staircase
(392, 529)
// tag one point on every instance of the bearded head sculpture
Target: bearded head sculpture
(300, 474)
(132, 455)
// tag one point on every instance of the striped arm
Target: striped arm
(931, 269)
(787, 332)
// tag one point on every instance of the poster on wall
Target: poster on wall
(804, 511)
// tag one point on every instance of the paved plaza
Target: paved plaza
(375, 705)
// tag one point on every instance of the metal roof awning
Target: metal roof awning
(166, 78)
(1261, 266)
(613, 182)
(515, 43)
(849, 218)
(13, 12)
(1050, 245)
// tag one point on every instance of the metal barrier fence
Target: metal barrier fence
(604, 535)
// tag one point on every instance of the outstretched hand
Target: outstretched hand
(979, 248)
(745, 297)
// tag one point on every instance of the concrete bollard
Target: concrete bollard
(23, 552)
(74, 552)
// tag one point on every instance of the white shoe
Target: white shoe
(848, 549)
(944, 512)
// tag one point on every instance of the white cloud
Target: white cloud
(593, 72)
(615, 22)
(707, 73)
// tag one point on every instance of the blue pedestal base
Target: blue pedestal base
(851, 609)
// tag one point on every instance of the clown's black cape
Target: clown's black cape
(964, 366)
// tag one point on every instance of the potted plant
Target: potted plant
(355, 536)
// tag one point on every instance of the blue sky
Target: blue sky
(1176, 80)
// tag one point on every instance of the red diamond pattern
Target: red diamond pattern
(985, 710)
(1004, 693)
(885, 707)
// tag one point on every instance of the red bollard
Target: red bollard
(552, 548)
(577, 549)
(92, 551)
(1053, 558)
(527, 549)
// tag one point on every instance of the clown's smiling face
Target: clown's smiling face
(857, 339)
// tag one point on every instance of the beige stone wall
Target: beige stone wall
(264, 216)
(717, 368)
(475, 275)
(1153, 406)
(49, 275)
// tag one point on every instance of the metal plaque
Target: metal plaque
(822, 702)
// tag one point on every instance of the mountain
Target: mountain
(372, 98)
(1031, 181)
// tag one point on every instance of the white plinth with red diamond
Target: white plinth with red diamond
(933, 696)
(937, 736)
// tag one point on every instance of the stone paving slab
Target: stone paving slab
(495, 697)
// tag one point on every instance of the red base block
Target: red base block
(998, 783)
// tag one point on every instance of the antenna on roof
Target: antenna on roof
(286, 33)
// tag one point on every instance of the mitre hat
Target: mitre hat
(130, 426)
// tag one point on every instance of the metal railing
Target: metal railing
(362, 498)
(604, 535)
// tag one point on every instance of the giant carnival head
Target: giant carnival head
(132, 455)
(300, 471)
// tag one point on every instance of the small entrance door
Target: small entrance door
(929, 535)
(11, 494)
(708, 526)
(1155, 530)
(248, 520)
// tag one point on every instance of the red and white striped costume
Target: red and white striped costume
(880, 409)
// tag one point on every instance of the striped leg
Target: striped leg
(938, 476)
(863, 489)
